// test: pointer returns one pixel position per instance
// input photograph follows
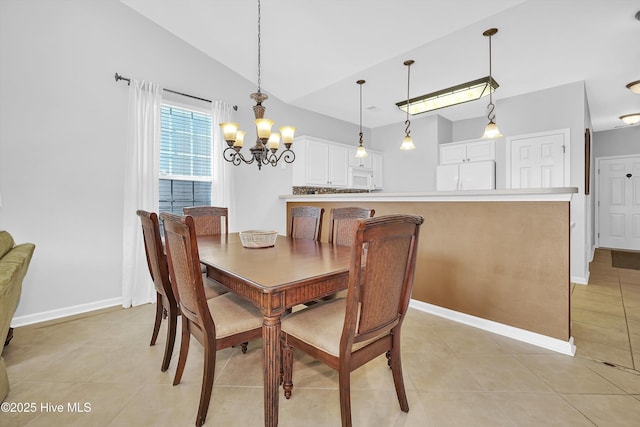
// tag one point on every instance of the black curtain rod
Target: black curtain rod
(118, 77)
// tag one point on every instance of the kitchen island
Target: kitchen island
(498, 259)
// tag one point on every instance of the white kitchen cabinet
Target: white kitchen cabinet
(323, 163)
(319, 163)
(466, 176)
(376, 163)
(468, 151)
(338, 166)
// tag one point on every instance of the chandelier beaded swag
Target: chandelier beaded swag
(267, 142)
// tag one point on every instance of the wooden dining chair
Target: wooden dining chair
(342, 222)
(209, 221)
(306, 223)
(348, 332)
(216, 323)
(166, 302)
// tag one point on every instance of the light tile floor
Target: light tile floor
(455, 375)
(606, 314)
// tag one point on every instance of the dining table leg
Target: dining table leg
(271, 363)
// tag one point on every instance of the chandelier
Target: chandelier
(267, 142)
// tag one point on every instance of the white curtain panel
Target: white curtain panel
(141, 191)
(221, 188)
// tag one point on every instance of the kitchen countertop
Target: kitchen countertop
(549, 194)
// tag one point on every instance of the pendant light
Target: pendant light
(407, 141)
(361, 152)
(491, 130)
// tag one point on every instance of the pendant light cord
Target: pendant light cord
(491, 116)
(407, 122)
(360, 109)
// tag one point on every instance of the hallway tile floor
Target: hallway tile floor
(606, 314)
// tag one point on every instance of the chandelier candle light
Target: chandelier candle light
(361, 152)
(407, 141)
(267, 142)
(491, 130)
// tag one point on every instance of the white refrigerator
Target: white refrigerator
(466, 176)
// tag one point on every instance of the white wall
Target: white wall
(62, 140)
(616, 142)
(413, 170)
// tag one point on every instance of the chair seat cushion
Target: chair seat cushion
(213, 288)
(233, 314)
(321, 326)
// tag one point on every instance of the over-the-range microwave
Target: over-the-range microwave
(360, 178)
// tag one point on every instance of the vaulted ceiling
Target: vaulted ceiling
(314, 51)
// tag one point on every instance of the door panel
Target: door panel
(538, 161)
(619, 203)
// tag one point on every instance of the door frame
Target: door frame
(597, 192)
(567, 152)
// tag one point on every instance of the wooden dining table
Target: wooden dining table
(292, 272)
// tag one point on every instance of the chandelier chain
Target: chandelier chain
(259, 45)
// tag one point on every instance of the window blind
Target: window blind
(185, 147)
(185, 159)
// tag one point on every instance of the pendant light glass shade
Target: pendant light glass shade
(361, 152)
(491, 131)
(407, 143)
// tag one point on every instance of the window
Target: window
(185, 158)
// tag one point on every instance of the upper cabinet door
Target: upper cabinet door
(317, 163)
(464, 152)
(453, 153)
(481, 150)
(376, 162)
(338, 166)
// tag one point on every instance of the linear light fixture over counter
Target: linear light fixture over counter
(458, 94)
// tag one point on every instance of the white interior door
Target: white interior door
(619, 203)
(538, 161)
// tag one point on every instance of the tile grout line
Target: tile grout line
(626, 320)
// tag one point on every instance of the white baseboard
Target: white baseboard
(554, 344)
(581, 280)
(44, 316)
